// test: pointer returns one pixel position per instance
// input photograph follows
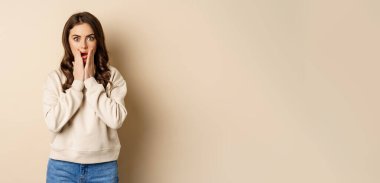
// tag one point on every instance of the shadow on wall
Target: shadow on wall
(131, 134)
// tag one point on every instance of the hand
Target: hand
(78, 71)
(89, 69)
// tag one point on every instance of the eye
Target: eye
(76, 39)
(91, 38)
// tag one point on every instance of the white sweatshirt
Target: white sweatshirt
(85, 119)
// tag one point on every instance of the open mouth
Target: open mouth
(84, 57)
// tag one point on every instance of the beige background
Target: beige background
(218, 91)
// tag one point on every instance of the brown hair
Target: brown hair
(102, 72)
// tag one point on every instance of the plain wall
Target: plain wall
(218, 91)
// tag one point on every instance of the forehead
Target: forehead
(83, 29)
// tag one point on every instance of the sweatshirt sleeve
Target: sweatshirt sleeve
(111, 110)
(59, 107)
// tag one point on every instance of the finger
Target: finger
(87, 64)
(78, 52)
(89, 56)
(79, 56)
(75, 53)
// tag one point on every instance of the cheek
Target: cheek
(92, 45)
(73, 46)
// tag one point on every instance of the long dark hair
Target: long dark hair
(102, 72)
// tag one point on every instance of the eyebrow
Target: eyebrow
(79, 35)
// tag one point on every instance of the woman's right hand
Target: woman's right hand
(78, 71)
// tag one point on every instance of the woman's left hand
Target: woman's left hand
(89, 69)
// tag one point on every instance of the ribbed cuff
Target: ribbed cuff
(77, 85)
(90, 82)
(86, 157)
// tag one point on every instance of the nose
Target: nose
(83, 44)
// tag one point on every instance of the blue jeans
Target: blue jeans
(62, 171)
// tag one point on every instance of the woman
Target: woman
(83, 105)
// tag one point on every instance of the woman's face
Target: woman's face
(82, 38)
